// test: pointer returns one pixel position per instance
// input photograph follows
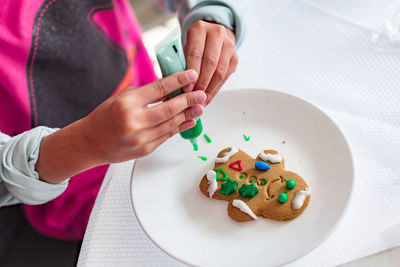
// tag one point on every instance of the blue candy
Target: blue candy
(262, 166)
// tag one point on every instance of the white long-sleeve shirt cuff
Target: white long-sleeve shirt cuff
(224, 12)
(221, 12)
(19, 181)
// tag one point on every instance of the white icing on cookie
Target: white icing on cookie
(299, 198)
(240, 204)
(273, 158)
(212, 181)
(227, 155)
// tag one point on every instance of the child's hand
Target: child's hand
(210, 50)
(121, 128)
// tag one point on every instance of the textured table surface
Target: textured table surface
(334, 54)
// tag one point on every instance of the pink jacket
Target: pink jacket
(59, 60)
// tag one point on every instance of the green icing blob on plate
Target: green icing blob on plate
(208, 139)
(247, 138)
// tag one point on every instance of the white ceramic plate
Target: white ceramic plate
(197, 230)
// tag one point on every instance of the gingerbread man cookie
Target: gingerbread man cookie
(256, 187)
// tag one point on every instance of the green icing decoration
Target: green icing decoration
(229, 187)
(290, 184)
(244, 112)
(203, 158)
(282, 197)
(251, 180)
(248, 190)
(224, 178)
(241, 176)
(208, 139)
(263, 182)
(247, 138)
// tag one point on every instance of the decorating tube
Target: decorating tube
(171, 59)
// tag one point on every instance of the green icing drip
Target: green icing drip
(263, 182)
(229, 187)
(248, 190)
(195, 147)
(251, 180)
(247, 138)
(203, 158)
(208, 139)
(283, 197)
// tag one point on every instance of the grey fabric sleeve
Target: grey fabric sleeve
(19, 181)
(225, 12)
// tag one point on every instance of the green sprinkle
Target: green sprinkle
(290, 184)
(203, 158)
(263, 182)
(241, 176)
(208, 139)
(282, 198)
(247, 138)
(251, 180)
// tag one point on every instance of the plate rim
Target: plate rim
(339, 218)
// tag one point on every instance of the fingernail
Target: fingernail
(200, 97)
(192, 75)
(196, 111)
(188, 88)
(189, 124)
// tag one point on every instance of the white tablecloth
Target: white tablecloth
(321, 51)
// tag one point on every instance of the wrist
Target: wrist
(64, 154)
(92, 150)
